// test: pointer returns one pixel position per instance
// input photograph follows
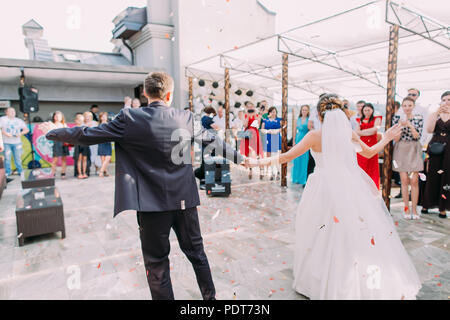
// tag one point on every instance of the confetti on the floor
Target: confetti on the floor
(372, 241)
(443, 196)
(422, 177)
(216, 215)
(440, 172)
(98, 267)
(439, 284)
(321, 226)
(395, 164)
(336, 219)
(396, 223)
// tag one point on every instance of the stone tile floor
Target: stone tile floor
(248, 238)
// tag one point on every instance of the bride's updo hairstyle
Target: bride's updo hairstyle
(328, 102)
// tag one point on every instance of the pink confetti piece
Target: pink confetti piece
(372, 241)
(98, 267)
(336, 220)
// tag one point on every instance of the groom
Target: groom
(154, 176)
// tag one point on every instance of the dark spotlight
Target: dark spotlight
(220, 103)
(237, 105)
(249, 93)
(201, 83)
(215, 84)
(238, 92)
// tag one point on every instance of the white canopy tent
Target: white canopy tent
(353, 54)
(347, 53)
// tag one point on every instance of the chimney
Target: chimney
(38, 48)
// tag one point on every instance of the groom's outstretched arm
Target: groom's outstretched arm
(106, 132)
(211, 142)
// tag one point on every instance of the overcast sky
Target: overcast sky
(87, 24)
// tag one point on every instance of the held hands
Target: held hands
(47, 126)
(250, 162)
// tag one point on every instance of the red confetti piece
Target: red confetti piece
(221, 251)
(135, 285)
(235, 47)
(273, 291)
(284, 262)
(132, 269)
(372, 241)
(98, 267)
(281, 289)
(436, 276)
(439, 284)
(336, 219)
(167, 35)
(443, 196)
(271, 279)
(232, 281)
(396, 223)
(430, 264)
(147, 273)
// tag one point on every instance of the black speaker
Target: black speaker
(28, 99)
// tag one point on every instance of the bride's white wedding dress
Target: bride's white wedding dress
(347, 245)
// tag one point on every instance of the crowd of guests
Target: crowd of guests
(420, 165)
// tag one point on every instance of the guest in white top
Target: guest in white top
(353, 120)
(127, 102)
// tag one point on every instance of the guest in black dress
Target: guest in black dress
(437, 188)
(60, 150)
(104, 149)
(82, 151)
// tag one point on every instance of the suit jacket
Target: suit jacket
(146, 141)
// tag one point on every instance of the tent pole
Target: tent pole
(390, 110)
(284, 103)
(191, 95)
(227, 103)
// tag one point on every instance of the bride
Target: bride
(346, 244)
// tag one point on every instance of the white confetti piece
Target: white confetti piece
(422, 177)
(440, 172)
(395, 164)
(20, 235)
(216, 215)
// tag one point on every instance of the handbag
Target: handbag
(436, 148)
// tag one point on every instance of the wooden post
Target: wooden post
(294, 126)
(191, 95)
(390, 110)
(227, 103)
(284, 103)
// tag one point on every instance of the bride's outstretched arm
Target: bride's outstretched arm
(300, 148)
(369, 152)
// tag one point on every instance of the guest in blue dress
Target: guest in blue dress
(104, 149)
(271, 127)
(300, 168)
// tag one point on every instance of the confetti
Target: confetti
(443, 196)
(439, 284)
(361, 219)
(216, 215)
(98, 267)
(167, 36)
(436, 276)
(395, 164)
(440, 172)
(321, 226)
(20, 235)
(372, 241)
(396, 223)
(422, 177)
(336, 219)
(430, 264)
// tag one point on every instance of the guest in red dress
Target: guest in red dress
(367, 129)
(252, 147)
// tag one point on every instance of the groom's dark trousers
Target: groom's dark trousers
(154, 231)
(154, 176)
